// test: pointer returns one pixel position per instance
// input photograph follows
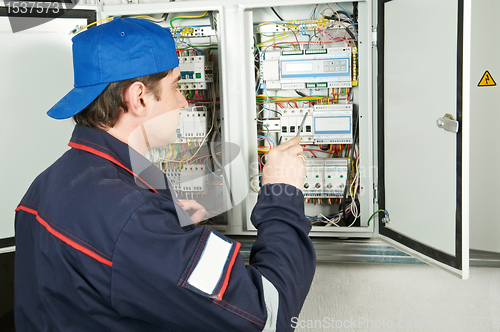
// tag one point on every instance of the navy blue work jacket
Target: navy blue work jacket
(98, 248)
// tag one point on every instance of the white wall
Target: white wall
(419, 297)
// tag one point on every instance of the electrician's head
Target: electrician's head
(111, 59)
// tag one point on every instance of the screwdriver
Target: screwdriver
(302, 124)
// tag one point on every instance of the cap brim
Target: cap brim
(75, 101)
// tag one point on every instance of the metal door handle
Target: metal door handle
(448, 123)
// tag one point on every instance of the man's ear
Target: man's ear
(134, 97)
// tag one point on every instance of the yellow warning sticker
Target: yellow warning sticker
(487, 80)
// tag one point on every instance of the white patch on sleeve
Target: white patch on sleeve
(272, 298)
(208, 271)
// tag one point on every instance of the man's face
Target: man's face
(164, 113)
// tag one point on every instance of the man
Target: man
(102, 244)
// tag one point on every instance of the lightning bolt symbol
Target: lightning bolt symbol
(487, 78)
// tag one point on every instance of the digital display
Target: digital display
(297, 66)
(336, 124)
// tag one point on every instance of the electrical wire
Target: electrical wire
(144, 17)
(91, 24)
(208, 166)
(349, 169)
(184, 17)
(374, 213)
(331, 220)
(353, 23)
(252, 182)
(277, 15)
(151, 19)
(271, 143)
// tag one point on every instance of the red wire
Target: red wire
(190, 49)
(319, 151)
(312, 154)
(268, 141)
(262, 159)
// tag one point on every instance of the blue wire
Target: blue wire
(213, 208)
(304, 32)
(270, 140)
(267, 128)
(178, 40)
(211, 170)
(353, 25)
(314, 12)
(266, 106)
(281, 23)
(193, 47)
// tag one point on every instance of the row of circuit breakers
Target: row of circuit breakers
(325, 178)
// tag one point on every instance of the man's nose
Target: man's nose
(182, 100)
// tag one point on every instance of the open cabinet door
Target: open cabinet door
(423, 126)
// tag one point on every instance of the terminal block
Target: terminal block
(325, 177)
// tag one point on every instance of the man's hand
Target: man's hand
(199, 210)
(284, 164)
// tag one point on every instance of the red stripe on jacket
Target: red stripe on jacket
(64, 238)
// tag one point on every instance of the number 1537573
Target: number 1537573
(34, 8)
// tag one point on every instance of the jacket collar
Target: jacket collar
(104, 145)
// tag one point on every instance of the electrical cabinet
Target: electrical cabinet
(387, 98)
(394, 173)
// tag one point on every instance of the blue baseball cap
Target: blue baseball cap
(121, 49)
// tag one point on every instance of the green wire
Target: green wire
(185, 17)
(374, 213)
(200, 46)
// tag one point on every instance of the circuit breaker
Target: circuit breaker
(196, 72)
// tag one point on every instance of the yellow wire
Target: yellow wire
(272, 23)
(88, 25)
(286, 35)
(148, 17)
(111, 17)
(181, 17)
(253, 182)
